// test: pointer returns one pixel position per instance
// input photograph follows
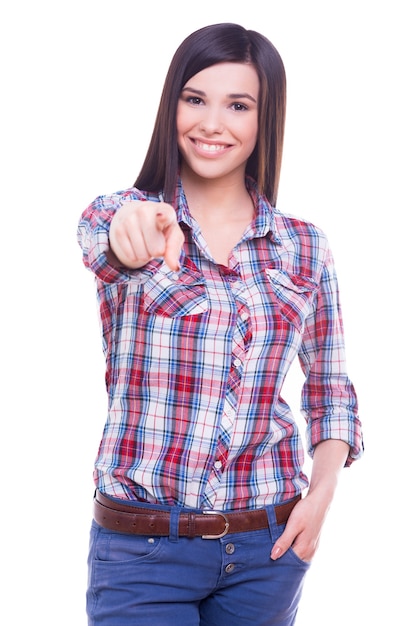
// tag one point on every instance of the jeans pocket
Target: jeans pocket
(120, 548)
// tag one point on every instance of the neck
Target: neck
(221, 198)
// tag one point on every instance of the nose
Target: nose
(211, 121)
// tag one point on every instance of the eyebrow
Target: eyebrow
(232, 96)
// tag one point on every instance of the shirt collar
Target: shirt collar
(266, 216)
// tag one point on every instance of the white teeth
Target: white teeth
(209, 147)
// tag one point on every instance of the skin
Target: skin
(141, 231)
(304, 525)
(216, 133)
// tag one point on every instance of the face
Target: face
(217, 121)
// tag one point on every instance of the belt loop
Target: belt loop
(272, 521)
(174, 523)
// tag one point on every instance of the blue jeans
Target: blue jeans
(177, 581)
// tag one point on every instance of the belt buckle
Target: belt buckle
(224, 532)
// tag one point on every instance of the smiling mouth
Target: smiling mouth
(210, 147)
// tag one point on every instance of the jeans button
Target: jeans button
(230, 548)
(229, 568)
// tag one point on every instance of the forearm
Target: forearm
(305, 522)
(329, 458)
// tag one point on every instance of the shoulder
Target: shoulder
(304, 245)
(292, 226)
(115, 199)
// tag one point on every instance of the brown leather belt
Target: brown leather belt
(208, 524)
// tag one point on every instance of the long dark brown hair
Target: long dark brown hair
(205, 47)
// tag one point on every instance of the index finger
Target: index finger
(166, 220)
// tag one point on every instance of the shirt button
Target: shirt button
(229, 568)
(218, 465)
(174, 277)
(244, 316)
(230, 548)
(237, 362)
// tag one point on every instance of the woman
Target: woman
(207, 294)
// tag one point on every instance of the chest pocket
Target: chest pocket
(295, 295)
(172, 295)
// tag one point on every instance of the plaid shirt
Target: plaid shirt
(196, 360)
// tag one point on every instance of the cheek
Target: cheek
(185, 118)
(252, 135)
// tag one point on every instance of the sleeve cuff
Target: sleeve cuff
(345, 428)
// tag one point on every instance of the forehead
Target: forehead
(226, 78)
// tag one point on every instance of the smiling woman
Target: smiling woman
(207, 295)
(232, 45)
(217, 130)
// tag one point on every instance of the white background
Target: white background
(80, 88)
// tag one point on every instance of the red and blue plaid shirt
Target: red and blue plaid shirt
(196, 360)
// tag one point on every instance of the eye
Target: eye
(195, 100)
(238, 106)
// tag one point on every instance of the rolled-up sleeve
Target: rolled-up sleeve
(329, 401)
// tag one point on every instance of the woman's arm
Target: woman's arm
(304, 525)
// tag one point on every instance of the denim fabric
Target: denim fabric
(172, 581)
